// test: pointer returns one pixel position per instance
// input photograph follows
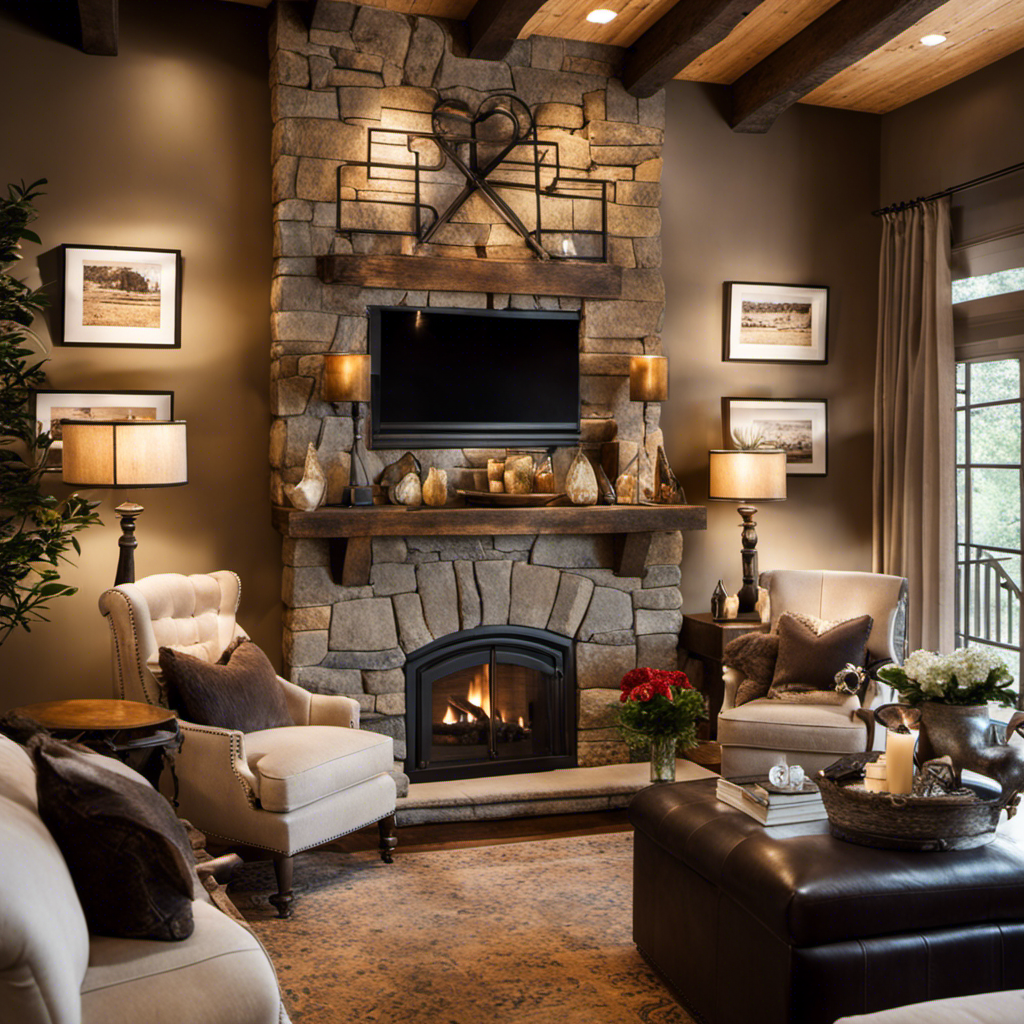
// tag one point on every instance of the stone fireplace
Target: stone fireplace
(334, 77)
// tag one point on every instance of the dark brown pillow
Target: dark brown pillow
(809, 660)
(241, 693)
(127, 853)
(753, 655)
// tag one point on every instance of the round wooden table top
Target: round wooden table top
(95, 714)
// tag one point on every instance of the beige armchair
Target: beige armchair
(281, 790)
(754, 734)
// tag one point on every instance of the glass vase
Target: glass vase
(663, 759)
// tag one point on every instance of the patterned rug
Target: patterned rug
(532, 932)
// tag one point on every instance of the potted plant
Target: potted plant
(36, 529)
(659, 708)
(954, 692)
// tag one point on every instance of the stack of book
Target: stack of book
(768, 804)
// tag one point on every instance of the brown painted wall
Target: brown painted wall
(790, 206)
(165, 145)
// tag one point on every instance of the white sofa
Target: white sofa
(52, 971)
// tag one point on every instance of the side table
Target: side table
(705, 639)
(140, 735)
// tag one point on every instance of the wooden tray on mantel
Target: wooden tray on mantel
(350, 530)
(501, 499)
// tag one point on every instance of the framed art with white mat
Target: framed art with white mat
(775, 323)
(797, 425)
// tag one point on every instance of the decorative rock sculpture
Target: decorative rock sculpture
(397, 471)
(625, 484)
(435, 487)
(544, 478)
(496, 476)
(408, 491)
(580, 481)
(604, 486)
(667, 490)
(309, 492)
(519, 474)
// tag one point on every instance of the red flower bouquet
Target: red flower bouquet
(659, 704)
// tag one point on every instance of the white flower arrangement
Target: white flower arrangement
(970, 675)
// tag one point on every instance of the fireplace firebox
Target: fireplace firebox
(490, 701)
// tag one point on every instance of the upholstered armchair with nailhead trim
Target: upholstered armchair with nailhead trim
(282, 790)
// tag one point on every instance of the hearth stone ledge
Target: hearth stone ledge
(355, 640)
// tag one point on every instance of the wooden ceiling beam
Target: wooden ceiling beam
(99, 25)
(840, 37)
(494, 25)
(677, 38)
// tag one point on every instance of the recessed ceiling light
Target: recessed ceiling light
(933, 40)
(602, 16)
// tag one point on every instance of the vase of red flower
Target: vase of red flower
(661, 708)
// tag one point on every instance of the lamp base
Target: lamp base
(127, 512)
(358, 495)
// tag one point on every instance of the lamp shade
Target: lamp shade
(124, 453)
(648, 378)
(757, 474)
(346, 378)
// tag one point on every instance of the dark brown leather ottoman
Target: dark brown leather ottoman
(750, 928)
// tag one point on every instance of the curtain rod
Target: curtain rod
(984, 179)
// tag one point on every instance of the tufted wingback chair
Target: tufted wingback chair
(754, 734)
(281, 790)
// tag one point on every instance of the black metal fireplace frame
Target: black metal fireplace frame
(523, 638)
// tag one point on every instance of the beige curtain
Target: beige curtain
(914, 514)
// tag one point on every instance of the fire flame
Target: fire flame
(450, 717)
(522, 724)
(479, 695)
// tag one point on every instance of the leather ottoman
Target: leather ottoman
(767, 926)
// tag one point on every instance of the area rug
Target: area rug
(531, 932)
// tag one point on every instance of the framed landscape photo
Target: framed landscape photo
(120, 297)
(797, 425)
(53, 406)
(775, 323)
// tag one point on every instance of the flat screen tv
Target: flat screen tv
(470, 378)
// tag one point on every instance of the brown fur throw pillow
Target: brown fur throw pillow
(753, 656)
(239, 693)
(127, 853)
(809, 660)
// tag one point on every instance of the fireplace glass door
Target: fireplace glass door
(483, 704)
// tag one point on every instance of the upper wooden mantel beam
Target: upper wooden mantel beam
(840, 37)
(494, 25)
(677, 38)
(99, 25)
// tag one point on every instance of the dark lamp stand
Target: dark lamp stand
(127, 512)
(360, 490)
(747, 594)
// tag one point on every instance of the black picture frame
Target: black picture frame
(735, 348)
(77, 307)
(738, 413)
(54, 461)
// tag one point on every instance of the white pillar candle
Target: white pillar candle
(899, 760)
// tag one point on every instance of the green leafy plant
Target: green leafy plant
(36, 529)
(970, 675)
(658, 704)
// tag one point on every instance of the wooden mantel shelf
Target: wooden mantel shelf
(350, 530)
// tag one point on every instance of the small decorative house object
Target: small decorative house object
(718, 599)
(544, 478)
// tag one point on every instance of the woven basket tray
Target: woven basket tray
(960, 821)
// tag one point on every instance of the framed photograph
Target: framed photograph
(118, 297)
(53, 406)
(797, 425)
(775, 323)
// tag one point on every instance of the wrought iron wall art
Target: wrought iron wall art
(493, 152)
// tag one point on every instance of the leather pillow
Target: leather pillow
(128, 855)
(240, 692)
(753, 655)
(809, 659)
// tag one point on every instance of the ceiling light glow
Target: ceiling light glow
(602, 16)
(933, 40)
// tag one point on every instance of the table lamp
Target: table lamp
(347, 379)
(122, 454)
(754, 474)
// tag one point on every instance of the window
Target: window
(999, 283)
(989, 611)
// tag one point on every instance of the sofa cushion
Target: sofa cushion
(809, 659)
(753, 655)
(298, 765)
(220, 974)
(127, 852)
(44, 941)
(775, 725)
(242, 693)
